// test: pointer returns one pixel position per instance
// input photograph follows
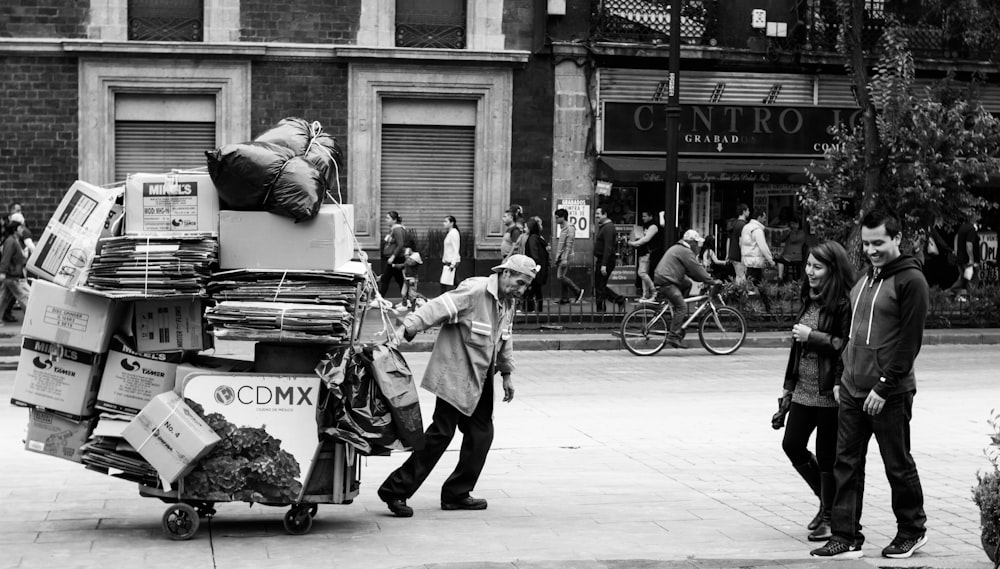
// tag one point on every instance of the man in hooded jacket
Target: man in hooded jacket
(875, 392)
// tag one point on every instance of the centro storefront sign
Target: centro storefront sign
(724, 129)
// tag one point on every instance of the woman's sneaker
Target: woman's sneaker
(903, 547)
(835, 549)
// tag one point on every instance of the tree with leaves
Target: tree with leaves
(916, 154)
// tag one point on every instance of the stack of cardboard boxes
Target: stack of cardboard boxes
(129, 360)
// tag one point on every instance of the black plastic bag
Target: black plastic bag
(396, 383)
(287, 170)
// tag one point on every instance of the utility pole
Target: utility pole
(673, 125)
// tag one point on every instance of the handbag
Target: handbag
(784, 405)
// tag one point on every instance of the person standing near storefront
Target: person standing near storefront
(512, 222)
(564, 252)
(645, 247)
(735, 230)
(888, 312)
(967, 255)
(474, 344)
(450, 257)
(604, 261)
(538, 249)
(814, 367)
(755, 253)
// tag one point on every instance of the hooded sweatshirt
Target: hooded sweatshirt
(888, 312)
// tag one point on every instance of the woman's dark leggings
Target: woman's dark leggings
(802, 421)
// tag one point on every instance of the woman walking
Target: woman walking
(13, 257)
(814, 366)
(450, 257)
(392, 253)
(537, 248)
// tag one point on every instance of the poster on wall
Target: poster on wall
(579, 215)
(988, 273)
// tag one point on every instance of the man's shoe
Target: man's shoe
(396, 505)
(821, 533)
(467, 503)
(903, 547)
(579, 297)
(838, 550)
(564, 301)
(9, 318)
(676, 341)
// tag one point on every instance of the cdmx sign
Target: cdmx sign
(725, 129)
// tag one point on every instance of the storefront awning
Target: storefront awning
(723, 169)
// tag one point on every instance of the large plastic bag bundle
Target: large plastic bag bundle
(243, 172)
(287, 170)
(298, 190)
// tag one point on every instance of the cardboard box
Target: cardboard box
(169, 325)
(72, 318)
(262, 240)
(52, 435)
(67, 246)
(171, 204)
(208, 364)
(131, 379)
(170, 436)
(283, 405)
(53, 378)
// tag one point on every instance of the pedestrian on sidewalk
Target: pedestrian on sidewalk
(538, 249)
(646, 247)
(474, 344)
(13, 257)
(733, 252)
(392, 253)
(814, 367)
(564, 252)
(888, 312)
(450, 257)
(755, 253)
(605, 258)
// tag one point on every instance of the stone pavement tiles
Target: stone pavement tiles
(602, 456)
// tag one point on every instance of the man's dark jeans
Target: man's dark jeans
(601, 291)
(675, 295)
(891, 428)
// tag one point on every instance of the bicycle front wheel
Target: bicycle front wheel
(644, 331)
(723, 330)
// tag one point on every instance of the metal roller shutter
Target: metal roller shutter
(154, 146)
(698, 87)
(428, 172)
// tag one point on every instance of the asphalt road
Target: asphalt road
(602, 460)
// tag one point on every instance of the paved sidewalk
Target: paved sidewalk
(603, 461)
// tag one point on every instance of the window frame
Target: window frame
(101, 80)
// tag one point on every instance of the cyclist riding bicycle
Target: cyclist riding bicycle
(672, 279)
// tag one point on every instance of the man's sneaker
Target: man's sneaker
(838, 550)
(903, 547)
(676, 341)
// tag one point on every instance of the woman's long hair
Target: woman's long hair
(840, 274)
(451, 218)
(708, 245)
(395, 216)
(534, 228)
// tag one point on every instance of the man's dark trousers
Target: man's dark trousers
(675, 295)
(601, 291)
(477, 437)
(891, 428)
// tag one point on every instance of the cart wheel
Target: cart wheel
(298, 521)
(180, 522)
(313, 510)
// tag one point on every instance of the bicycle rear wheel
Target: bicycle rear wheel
(723, 331)
(644, 331)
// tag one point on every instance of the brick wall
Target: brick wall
(531, 144)
(38, 119)
(300, 21)
(43, 18)
(309, 90)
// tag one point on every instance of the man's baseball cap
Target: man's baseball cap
(520, 263)
(692, 235)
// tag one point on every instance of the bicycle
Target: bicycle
(721, 329)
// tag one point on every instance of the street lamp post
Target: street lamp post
(673, 125)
